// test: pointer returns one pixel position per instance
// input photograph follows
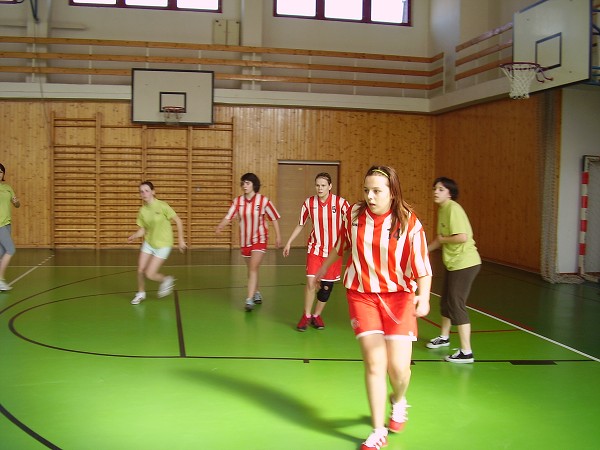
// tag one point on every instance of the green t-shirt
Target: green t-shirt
(155, 218)
(452, 219)
(6, 195)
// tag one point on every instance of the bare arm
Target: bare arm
(422, 298)
(277, 234)
(181, 241)
(294, 235)
(440, 240)
(222, 225)
(138, 234)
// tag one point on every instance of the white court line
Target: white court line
(536, 335)
(530, 332)
(30, 270)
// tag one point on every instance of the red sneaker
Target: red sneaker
(303, 324)
(375, 441)
(399, 415)
(317, 322)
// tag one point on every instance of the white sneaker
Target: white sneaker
(166, 287)
(257, 298)
(139, 297)
(249, 306)
(4, 286)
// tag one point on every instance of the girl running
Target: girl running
(154, 222)
(388, 281)
(7, 246)
(325, 211)
(252, 208)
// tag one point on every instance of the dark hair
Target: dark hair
(400, 209)
(449, 184)
(147, 183)
(3, 172)
(252, 179)
(324, 175)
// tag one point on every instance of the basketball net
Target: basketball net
(520, 77)
(172, 114)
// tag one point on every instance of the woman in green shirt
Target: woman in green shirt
(462, 263)
(7, 246)
(154, 222)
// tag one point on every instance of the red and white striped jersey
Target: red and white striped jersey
(381, 260)
(253, 227)
(326, 218)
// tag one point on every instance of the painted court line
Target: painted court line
(31, 270)
(536, 334)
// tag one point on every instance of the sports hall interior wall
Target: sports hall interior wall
(486, 148)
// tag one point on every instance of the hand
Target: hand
(286, 251)
(422, 306)
(182, 246)
(278, 242)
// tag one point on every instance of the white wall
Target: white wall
(580, 135)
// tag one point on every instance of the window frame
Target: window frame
(320, 14)
(171, 6)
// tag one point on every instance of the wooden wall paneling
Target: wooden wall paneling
(121, 165)
(75, 175)
(211, 164)
(491, 150)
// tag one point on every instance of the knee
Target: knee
(325, 291)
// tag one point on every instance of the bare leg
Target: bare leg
(446, 324)
(4, 264)
(253, 264)
(399, 355)
(319, 308)
(374, 353)
(309, 297)
(148, 267)
(464, 333)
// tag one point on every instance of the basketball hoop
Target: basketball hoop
(521, 75)
(172, 114)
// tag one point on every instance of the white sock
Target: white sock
(466, 352)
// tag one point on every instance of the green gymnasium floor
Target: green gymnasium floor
(81, 368)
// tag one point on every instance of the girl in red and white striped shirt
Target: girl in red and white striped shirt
(253, 209)
(325, 211)
(388, 282)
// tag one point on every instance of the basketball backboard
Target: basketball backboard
(153, 90)
(557, 35)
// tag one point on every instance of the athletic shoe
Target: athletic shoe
(304, 322)
(317, 322)
(166, 287)
(249, 305)
(257, 298)
(460, 357)
(399, 415)
(4, 286)
(375, 441)
(139, 297)
(438, 342)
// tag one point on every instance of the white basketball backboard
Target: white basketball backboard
(557, 35)
(153, 90)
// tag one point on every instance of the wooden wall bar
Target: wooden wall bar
(489, 149)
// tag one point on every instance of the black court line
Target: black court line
(27, 430)
(180, 338)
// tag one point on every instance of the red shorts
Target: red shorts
(389, 313)
(314, 262)
(247, 251)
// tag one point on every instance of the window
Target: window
(394, 12)
(193, 5)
